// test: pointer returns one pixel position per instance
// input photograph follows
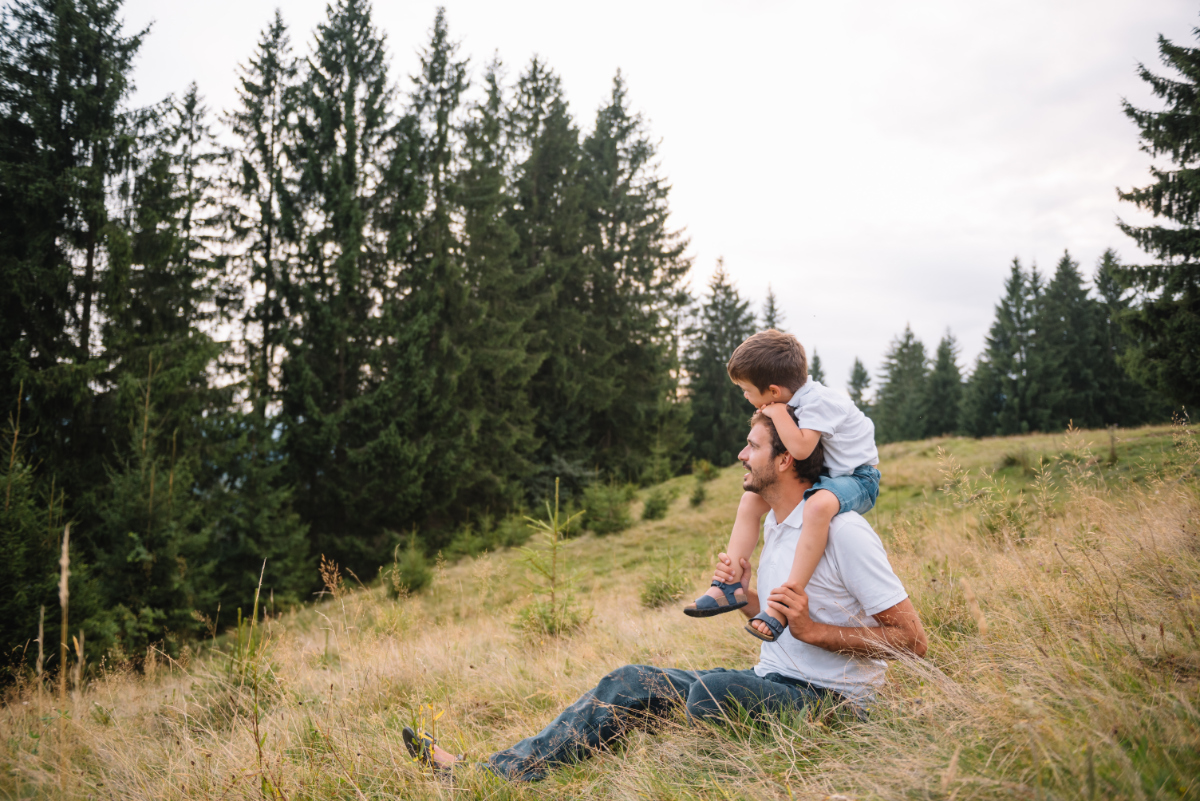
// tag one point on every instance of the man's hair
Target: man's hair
(770, 357)
(806, 470)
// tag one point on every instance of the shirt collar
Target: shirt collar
(792, 521)
(802, 392)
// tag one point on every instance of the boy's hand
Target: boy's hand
(778, 412)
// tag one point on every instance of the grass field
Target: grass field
(1058, 577)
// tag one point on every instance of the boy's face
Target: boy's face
(760, 399)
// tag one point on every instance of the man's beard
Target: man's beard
(755, 482)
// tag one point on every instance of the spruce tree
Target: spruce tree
(346, 396)
(433, 324)
(260, 184)
(1122, 400)
(65, 138)
(1007, 352)
(772, 315)
(900, 408)
(944, 390)
(1164, 350)
(860, 380)
(719, 410)
(1068, 328)
(573, 383)
(982, 401)
(815, 370)
(497, 339)
(637, 265)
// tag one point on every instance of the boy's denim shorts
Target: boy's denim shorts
(856, 492)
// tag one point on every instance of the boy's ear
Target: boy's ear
(775, 390)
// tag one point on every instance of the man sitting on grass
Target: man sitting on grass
(853, 614)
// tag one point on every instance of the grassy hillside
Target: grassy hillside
(1058, 578)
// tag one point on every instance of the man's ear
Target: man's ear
(786, 460)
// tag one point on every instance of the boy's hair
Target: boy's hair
(770, 357)
(807, 469)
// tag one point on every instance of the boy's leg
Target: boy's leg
(744, 537)
(819, 509)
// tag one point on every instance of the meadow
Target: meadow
(1058, 577)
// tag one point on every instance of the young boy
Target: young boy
(772, 371)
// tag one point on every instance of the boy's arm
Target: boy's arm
(800, 442)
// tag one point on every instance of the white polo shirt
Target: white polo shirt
(852, 582)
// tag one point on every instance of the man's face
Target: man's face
(756, 457)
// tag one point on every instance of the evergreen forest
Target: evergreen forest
(362, 311)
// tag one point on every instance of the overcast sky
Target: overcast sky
(877, 163)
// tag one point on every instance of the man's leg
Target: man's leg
(715, 694)
(621, 699)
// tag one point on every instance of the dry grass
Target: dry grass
(1086, 683)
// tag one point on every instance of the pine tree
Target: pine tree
(1007, 351)
(1164, 351)
(498, 338)
(900, 409)
(347, 399)
(573, 383)
(773, 316)
(434, 323)
(860, 380)
(635, 292)
(719, 411)
(65, 136)
(1122, 400)
(944, 390)
(260, 183)
(1068, 327)
(982, 401)
(815, 370)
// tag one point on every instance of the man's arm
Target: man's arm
(899, 627)
(800, 442)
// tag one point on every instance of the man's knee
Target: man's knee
(706, 698)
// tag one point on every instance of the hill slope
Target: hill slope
(1085, 684)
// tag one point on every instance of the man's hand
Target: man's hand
(791, 602)
(724, 571)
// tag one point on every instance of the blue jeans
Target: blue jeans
(639, 693)
(856, 492)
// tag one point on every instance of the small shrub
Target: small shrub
(607, 508)
(543, 618)
(665, 587)
(661, 590)
(699, 494)
(703, 470)
(658, 501)
(409, 571)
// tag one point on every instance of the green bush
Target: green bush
(658, 501)
(703, 470)
(607, 508)
(665, 587)
(699, 495)
(661, 590)
(410, 570)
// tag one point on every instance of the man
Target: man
(853, 611)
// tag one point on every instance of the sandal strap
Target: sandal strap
(728, 590)
(774, 625)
